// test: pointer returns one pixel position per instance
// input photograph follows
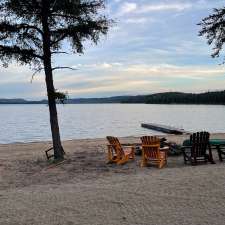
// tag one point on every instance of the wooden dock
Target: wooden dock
(163, 128)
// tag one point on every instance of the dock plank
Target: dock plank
(163, 128)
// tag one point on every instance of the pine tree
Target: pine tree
(213, 29)
(33, 31)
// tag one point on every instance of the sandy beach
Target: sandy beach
(86, 190)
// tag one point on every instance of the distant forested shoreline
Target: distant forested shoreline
(213, 98)
(210, 98)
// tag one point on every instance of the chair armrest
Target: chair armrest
(164, 149)
(128, 146)
(186, 146)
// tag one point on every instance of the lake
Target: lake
(26, 123)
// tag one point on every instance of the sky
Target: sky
(152, 47)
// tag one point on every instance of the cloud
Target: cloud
(127, 7)
(110, 87)
(154, 46)
(174, 71)
(141, 20)
(113, 78)
(131, 7)
(142, 78)
(164, 7)
(98, 66)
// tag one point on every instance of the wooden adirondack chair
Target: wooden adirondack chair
(118, 153)
(196, 151)
(151, 152)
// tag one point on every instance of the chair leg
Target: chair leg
(185, 159)
(193, 162)
(143, 162)
(123, 160)
(132, 155)
(109, 158)
(162, 163)
(219, 153)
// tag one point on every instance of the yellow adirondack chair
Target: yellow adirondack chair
(118, 153)
(151, 152)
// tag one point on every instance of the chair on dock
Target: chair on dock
(152, 152)
(195, 150)
(119, 153)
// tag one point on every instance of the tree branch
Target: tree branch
(6, 27)
(65, 16)
(24, 25)
(58, 40)
(63, 67)
(60, 52)
(24, 53)
(37, 71)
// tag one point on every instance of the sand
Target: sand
(86, 190)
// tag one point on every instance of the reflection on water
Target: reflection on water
(24, 123)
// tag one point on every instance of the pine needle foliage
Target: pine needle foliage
(213, 29)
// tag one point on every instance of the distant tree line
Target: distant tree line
(180, 98)
(210, 98)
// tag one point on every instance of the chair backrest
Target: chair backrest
(114, 142)
(199, 142)
(151, 146)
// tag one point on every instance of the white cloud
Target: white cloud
(130, 7)
(164, 7)
(127, 7)
(115, 77)
(174, 71)
(117, 71)
(104, 66)
(142, 78)
(111, 87)
(98, 66)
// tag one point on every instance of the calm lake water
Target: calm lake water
(25, 123)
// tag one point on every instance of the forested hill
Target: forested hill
(20, 101)
(180, 98)
(211, 98)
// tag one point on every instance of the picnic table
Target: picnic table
(213, 142)
(218, 144)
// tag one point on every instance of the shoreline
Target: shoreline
(168, 136)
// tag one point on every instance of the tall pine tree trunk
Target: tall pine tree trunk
(57, 146)
(58, 149)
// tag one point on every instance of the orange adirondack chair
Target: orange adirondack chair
(118, 153)
(151, 152)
